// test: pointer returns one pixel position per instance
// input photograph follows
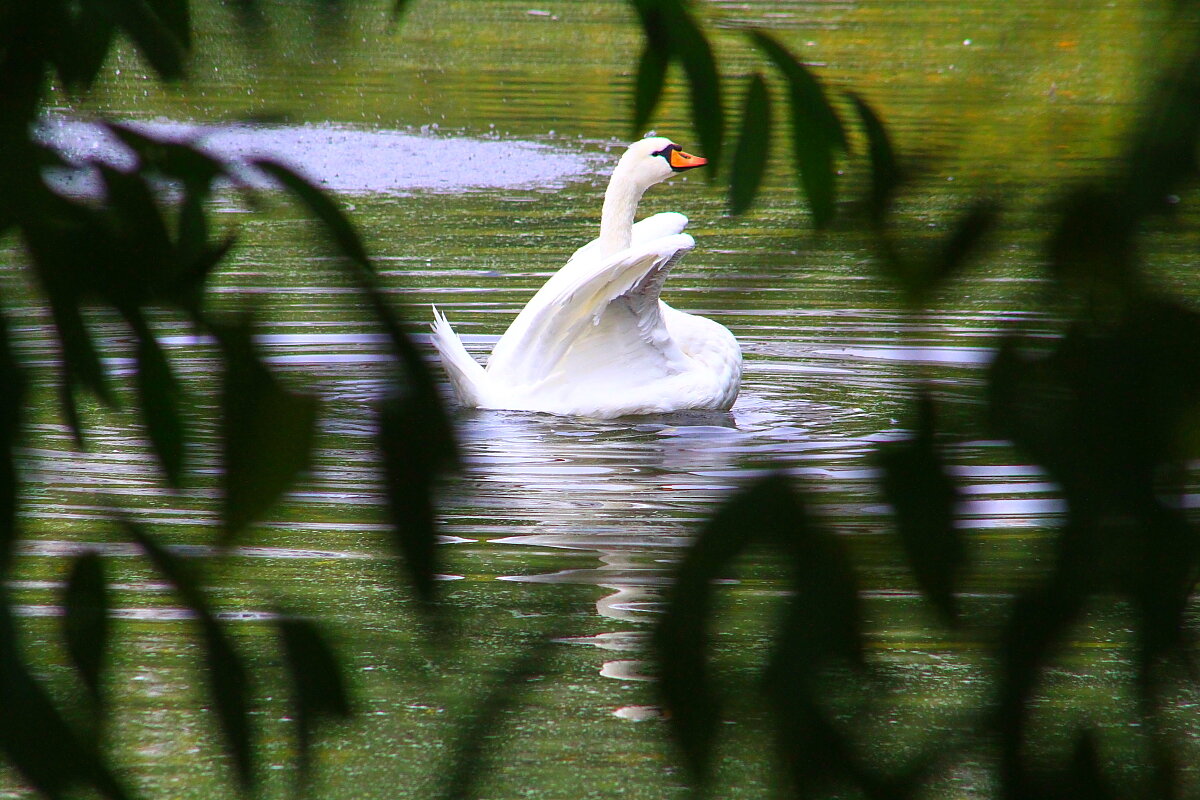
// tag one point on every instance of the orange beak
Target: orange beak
(681, 160)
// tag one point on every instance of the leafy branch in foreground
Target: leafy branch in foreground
(818, 135)
(1108, 408)
(144, 255)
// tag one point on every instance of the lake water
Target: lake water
(472, 145)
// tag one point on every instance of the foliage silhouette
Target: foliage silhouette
(753, 147)
(149, 250)
(1109, 409)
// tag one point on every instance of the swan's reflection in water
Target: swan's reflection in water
(630, 491)
(633, 492)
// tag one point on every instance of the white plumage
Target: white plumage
(596, 340)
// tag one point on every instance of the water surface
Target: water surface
(472, 145)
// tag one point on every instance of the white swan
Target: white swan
(595, 340)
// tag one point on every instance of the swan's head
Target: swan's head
(653, 160)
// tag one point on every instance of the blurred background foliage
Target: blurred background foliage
(1108, 408)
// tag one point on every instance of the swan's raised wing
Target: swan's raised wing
(598, 317)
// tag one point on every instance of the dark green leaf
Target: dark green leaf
(176, 18)
(196, 169)
(1162, 153)
(885, 170)
(145, 254)
(323, 207)
(411, 448)
(821, 623)
(1092, 250)
(192, 245)
(227, 676)
(442, 451)
(672, 34)
(811, 748)
(681, 638)
(421, 400)
(85, 618)
(1086, 780)
(753, 147)
(35, 738)
(318, 686)
(652, 72)
(56, 250)
(13, 384)
(469, 754)
(267, 433)
(161, 46)
(1039, 620)
(922, 495)
(418, 454)
(197, 267)
(816, 130)
(968, 235)
(159, 394)
(84, 42)
(704, 84)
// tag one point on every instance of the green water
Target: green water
(567, 527)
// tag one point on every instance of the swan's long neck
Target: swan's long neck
(616, 220)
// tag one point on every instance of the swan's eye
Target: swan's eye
(666, 152)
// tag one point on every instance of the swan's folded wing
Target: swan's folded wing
(606, 316)
(658, 226)
(655, 226)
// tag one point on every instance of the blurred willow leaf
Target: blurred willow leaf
(479, 734)
(227, 676)
(413, 455)
(349, 245)
(55, 245)
(1092, 251)
(322, 207)
(318, 685)
(86, 34)
(885, 170)
(821, 622)
(681, 638)
(172, 159)
(753, 146)
(85, 618)
(1162, 153)
(194, 255)
(13, 386)
(176, 17)
(923, 496)
(704, 85)
(651, 77)
(410, 471)
(48, 752)
(816, 130)
(163, 48)
(964, 241)
(672, 34)
(159, 395)
(1086, 779)
(141, 252)
(267, 433)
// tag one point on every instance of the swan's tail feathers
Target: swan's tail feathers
(468, 378)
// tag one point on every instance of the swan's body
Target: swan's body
(596, 340)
